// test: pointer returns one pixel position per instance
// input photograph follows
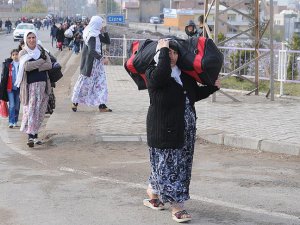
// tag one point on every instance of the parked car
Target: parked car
(21, 29)
(154, 19)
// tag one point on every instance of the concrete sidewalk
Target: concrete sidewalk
(253, 123)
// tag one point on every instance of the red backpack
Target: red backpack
(141, 54)
(200, 58)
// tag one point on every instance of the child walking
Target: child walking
(8, 91)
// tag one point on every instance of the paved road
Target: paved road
(76, 178)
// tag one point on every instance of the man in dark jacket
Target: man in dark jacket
(191, 29)
(53, 33)
(8, 25)
(201, 27)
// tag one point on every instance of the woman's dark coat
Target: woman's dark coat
(165, 119)
(89, 54)
(4, 79)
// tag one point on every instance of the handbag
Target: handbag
(51, 103)
(3, 109)
(55, 73)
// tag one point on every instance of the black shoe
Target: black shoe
(30, 143)
(74, 107)
(104, 108)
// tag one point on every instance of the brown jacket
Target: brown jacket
(42, 65)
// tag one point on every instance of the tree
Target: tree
(221, 37)
(292, 71)
(34, 6)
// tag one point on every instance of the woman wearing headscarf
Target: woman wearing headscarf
(91, 86)
(34, 86)
(171, 130)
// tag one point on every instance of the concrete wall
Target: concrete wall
(133, 15)
(180, 21)
(149, 8)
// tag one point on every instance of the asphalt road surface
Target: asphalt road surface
(75, 179)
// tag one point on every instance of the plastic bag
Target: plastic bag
(3, 109)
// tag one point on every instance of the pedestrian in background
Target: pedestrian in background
(171, 130)
(53, 33)
(21, 45)
(60, 37)
(1, 24)
(8, 90)
(34, 86)
(201, 27)
(191, 29)
(91, 86)
(8, 25)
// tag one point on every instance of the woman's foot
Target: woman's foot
(74, 107)
(30, 142)
(10, 125)
(181, 216)
(36, 141)
(104, 108)
(153, 202)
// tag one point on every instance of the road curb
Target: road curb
(237, 141)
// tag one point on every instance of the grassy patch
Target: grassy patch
(235, 83)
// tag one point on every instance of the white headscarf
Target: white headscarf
(92, 29)
(30, 54)
(176, 72)
(72, 27)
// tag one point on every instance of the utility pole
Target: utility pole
(101, 7)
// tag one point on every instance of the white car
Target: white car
(21, 29)
(154, 19)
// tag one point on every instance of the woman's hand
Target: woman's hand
(105, 61)
(218, 83)
(163, 43)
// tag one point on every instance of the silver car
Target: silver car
(21, 29)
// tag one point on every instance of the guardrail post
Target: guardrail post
(124, 49)
(282, 68)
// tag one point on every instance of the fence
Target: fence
(287, 62)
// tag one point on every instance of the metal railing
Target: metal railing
(287, 62)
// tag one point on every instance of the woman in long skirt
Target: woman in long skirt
(34, 86)
(91, 86)
(171, 130)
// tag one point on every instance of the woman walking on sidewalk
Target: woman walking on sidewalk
(91, 86)
(34, 86)
(8, 91)
(171, 130)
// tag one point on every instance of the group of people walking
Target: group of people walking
(171, 117)
(25, 79)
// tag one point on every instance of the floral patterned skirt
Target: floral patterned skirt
(91, 91)
(171, 168)
(34, 112)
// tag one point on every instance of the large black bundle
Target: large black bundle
(141, 54)
(201, 59)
